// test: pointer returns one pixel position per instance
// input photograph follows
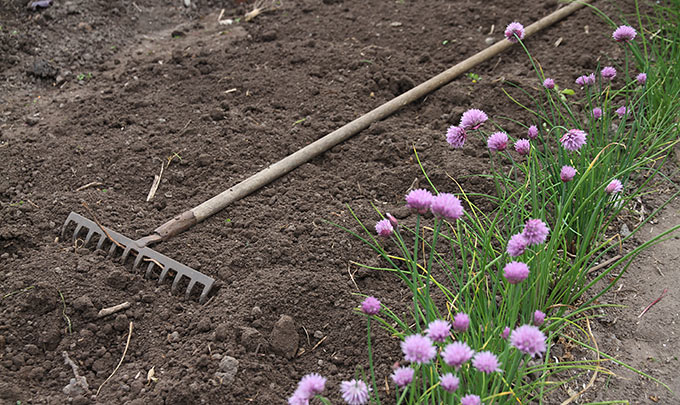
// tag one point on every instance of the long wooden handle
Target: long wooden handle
(304, 155)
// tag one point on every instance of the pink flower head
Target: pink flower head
(403, 376)
(449, 382)
(486, 362)
(446, 206)
(517, 245)
(624, 33)
(522, 146)
(471, 399)
(354, 392)
(597, 113)
(370, 306)
(438, 330)
(549, 83)
(528, 339)
(515, 272)
(514, 28)
(384, 227)
(608, 73)
(498, 141)
(539, 317)
(392, 219)
(532, 132)
(456, 136)
(456, 354)
(419, 200)
(586, 80)
(506, 333)
(461, 322)
(535, 231)
(621, 111)
(567, 173)
(473, 119)
(641, 79)
(573, 140)
(418, 349)
(614, 187)
(308, 387)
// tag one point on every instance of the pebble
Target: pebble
(318, 334)
(284, 338)
(173, 337)
(228, 369)
(256, 312)
(490, 40)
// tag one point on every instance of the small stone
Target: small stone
(284, 338)
(31, 120)
(256, 312)
(228, 369)
(173, 337)
(490, 40)
(625, 232)
(395, 24)
(318, 334)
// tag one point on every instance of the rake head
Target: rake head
(157, 264)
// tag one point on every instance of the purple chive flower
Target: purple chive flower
(384, 227)
(403, 376)
(498, 141)
(456, 354)
(298, 398)
(528, 339)
(597, 113)
(309, 385)
(567, 173)
(522, 146)
(517, 245)
(624, 33)
(471, 399)
(535, 231)
(354, 392)
(608, 73)
(486, 362)
(641, 79)
(438, 330)
(549, 83)
(392, 220)
(473, 119)
(370, 306)
(515, 272)
(532, 132)
(506, 333)
(573, 140)
(586, 80)
(419, 200)
(456, 136)
(621, 111)
(449, 382)
(539, 317)
(446, 206)
(514, 28)
(418, 349)
(461, 322)
(614, 187)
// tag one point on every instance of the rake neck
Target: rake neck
(176, 225)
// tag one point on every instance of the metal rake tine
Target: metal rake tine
(149, 269)
(89, 236)
(76, 232)
(102, 239)
(189, 288)
(164, 273)
(175, 283)
(112, 249)
(138, 260)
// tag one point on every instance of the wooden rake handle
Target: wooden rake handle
(197, 214)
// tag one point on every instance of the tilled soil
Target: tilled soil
(97, 95)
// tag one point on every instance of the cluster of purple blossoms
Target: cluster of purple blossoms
(384, 228)
(486, 362)
(621, 111)
(506, 333)
(624, 33)
(586, 80)
(497, 141)
(522, 146)
(532, 132)
(403, 376)
(539, 317)
(573, 140)
(456, 136)
(529, 340)
(354, 392)
(513, 31)
(456, 354)
(419, 200)
(515, 272)
(597, 113)
(418, 349)
(614, 187)
(549, 83)
(449, 382)
(370, 306)
(438, 330)
(471, 399)
(608, 73)
(641, 79)
(309, 386)
(535, 232)
(517, 245)
(473, 119)
(461, 322)
(567, 173)
(447, 206)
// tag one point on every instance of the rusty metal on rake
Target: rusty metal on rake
(140, 247)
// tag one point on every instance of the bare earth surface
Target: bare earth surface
(102, 93)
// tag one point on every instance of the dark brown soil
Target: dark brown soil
(107, 91)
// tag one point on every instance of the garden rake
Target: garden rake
(165, 266)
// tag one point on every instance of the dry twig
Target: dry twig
(96, 221)
(120, 362)
(112, 310)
